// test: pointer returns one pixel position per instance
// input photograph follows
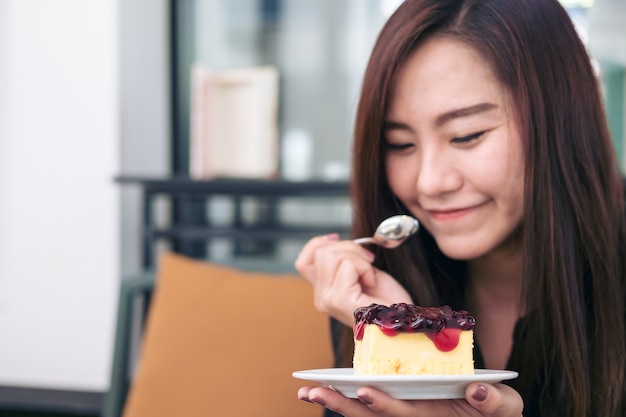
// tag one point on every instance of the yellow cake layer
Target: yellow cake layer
(410, 353)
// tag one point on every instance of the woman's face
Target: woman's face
(454, 154)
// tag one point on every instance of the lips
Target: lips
(447, 214)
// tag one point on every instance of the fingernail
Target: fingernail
(319, 401)
(369, 255)
(332, 237)
(480, 394)
(305, 399)
(366, 399)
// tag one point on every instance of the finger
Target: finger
(339, 290)
(303, 394)
(367, 274)
(341, 250)
(305, 260)
(384, 405)
(335, 401)
(358, 269)
(340, 265)
(494, 400)
(336, 286)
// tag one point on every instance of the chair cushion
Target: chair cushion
(224, 342)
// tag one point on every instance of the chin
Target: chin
(462, 252)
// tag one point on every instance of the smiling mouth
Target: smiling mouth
(453, 214)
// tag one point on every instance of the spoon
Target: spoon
(392, 232)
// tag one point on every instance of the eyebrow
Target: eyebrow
(446, 117)
(464, 112)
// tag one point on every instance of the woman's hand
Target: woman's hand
(481, 400)
(343, 277)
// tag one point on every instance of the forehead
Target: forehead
(444, 73)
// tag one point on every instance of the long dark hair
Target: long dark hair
(573, 230)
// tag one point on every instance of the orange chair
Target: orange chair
(220, 341)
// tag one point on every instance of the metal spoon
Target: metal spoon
(392, 232)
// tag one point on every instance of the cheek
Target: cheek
(506, 182)
(501, 167)
(401, 177)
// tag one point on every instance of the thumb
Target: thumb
(368, 278)
(494, 400)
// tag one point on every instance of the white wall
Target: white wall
(145, 127)
(59, 221)
(607, 31)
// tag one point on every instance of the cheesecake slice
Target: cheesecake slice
(405, 339)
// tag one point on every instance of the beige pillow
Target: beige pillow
(223, 342)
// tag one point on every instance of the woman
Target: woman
(483, 119)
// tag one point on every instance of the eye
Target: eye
(397, 147)
(468, 138)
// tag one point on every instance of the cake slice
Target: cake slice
(409, 339)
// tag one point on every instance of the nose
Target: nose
(439, 174)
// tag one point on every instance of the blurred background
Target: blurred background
(96, 104)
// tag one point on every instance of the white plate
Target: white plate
(404, 387)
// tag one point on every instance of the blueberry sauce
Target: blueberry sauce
(441, 324)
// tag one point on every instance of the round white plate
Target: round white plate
(404, 387)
